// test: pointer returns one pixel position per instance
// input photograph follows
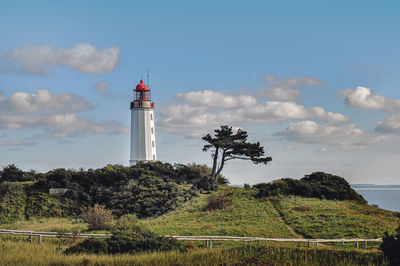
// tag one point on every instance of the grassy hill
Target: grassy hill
(246, 216)
(317, 218)
(286, 217)
(241, 214)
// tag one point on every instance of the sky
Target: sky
(315, 82)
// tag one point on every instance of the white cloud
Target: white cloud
(287, 89)
(328, 134)
(321, 115)
(391, 125)
(363, 98)
(195, 113)
(55, 114)
(102, 87)
(215, 99)
(41, 59)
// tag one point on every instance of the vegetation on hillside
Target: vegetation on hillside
(230, 211)
(146, 189)
(316, 185)
(12, 202)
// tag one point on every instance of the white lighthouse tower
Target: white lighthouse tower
(143, 138)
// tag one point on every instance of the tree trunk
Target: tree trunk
(215, 178)
(215, 161)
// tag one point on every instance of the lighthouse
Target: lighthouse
(143, 138)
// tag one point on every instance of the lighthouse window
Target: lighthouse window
(151, 116)
(152, 130)
(154, 157)
(152, 143)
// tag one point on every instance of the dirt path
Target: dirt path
(291, 230)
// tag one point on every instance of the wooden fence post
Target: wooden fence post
(266, 242)
(210, 243)
(316, 244)
(365, 244)
(30, 238)
(308, 243)
(356, 244)
(40, 239)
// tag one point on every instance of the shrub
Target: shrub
(317, 185)
(217, 201)
(391, 247)
(128, 236)
(98, 217)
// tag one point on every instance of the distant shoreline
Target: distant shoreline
(375, 187)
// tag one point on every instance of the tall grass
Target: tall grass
(24, 253)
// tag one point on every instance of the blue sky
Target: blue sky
(315, 82)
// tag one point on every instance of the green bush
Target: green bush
(128, 236)
(391, 247)
(317, 185)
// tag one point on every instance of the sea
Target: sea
(387, 198)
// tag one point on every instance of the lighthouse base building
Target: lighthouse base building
(143, 138)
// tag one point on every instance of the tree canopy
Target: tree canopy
(228, 145)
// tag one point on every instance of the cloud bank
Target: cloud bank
(363, 98)
(41, 59)
(55, 114)
(344, 135)
(195, 113)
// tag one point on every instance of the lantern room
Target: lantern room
(142, 92)
(142, 97)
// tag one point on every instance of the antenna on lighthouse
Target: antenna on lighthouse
(148, 79)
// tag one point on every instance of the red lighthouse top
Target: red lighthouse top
(142, 97)
(141, 86)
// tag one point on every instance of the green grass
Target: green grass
(47, 253)
(247, 216)
(335, 219)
